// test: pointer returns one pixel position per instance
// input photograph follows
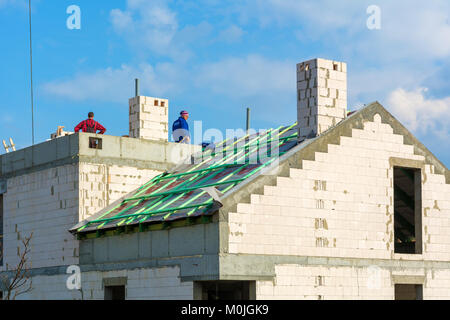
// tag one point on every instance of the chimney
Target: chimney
(322, 95)
(149, 117)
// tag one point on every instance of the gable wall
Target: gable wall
(350, 189)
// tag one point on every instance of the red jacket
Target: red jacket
(91, 126)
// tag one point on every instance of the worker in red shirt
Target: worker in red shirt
(90, 125)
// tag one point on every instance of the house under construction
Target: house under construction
(331, 206)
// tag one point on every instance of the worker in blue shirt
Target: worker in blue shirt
(180, 128)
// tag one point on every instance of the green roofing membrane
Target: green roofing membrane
(180, 194)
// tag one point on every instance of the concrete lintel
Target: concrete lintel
(254, 266)
(39, 156)
(239, 277)
(405, 279)
(46, 271)
(136, 149)
(74, 148)
(37, 168)
(116, 281)
(248, 267)
(205, 277)
(318, 260)
(190, 266)
(406, 163)
(228, 278)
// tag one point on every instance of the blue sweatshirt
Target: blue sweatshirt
(180, 129)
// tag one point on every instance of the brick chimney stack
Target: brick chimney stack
(321, 95)
(149, 118)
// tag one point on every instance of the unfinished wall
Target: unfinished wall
(45, 203)
(50, 202)
(341, 204)
(54, 185)
(331, 283)
(292, 282)
(149, 118)
(296, 282)
(187, 245)
(144, 283)
(101, 185)
(437, 285)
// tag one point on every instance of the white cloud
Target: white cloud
(152, 27)
(266, 85)
(198, 35)
(417, 28)
(368, 84)
(414, 37)
(409, 28)
(407, 51)
(249, 76)
(121, 20)
(115, 85)
(231, 34)
(238, 77)
(147, 25)
(402, 54)
(420, 113)
(324, 14)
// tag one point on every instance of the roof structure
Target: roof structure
(191, 190)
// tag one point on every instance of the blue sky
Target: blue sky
(215, 58)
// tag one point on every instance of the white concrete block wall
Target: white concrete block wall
(49, 288)
(297, 282)
(45, 203)
(142, 284)
(341, 204)
(101, 185)
(50, 202)
(436, 216)
(437, 285)
(149, 118)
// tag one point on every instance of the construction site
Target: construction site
(334, 205)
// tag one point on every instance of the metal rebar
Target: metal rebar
(248, 120)
(137, 87)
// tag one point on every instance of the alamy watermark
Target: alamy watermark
(74, 20)
(74, 280)
(374, 20)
